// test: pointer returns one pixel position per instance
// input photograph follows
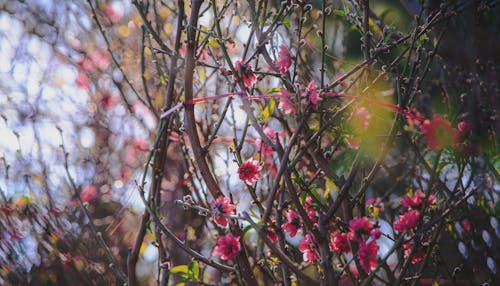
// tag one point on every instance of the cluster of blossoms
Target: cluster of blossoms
(416, 203)
(439, 131)
(361, 235)
(227, 246)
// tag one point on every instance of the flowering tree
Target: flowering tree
(276, 154)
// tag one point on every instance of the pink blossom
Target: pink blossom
(88, 194)
(112, 13)
(222, 207)
(293, 223)
(87, 65)
(466, 225)
(100, 59)
(249, 171)
(271, 235)
(284, 60)
(407, 221)
(308, 249)
(413, 117)
(418, 254)
(245, 73)
(360, 119)
(367, 255)
(227, 246)
(360, 225)
(439, 133)
(82, 80)
(285, 103)
(375, 233)
(416, 199)
(339, 242)
(108, 101)
(464, 128)
(313, 215)
(313, 94)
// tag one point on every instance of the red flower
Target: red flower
(367, 255)
(271, 235)
(285, 104)
(360, 225)
(466, 225)
(464, 128)
(306, 246)
(418, 254)
(108, 101)
(415, 200)
(245, 73)
(407, 220)
(222, 206)
(284, 60)
(293, 224)
(439, 133)
(88, 194)
(249, 171)
(375, 233)
(413, 117)
(313, 94)
(339, 242)
(227, 246)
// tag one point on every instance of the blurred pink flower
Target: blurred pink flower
(245, 73)
(360, 119)
(418, 254)
(100, 59)
(439, 132)
(313, 94)
(367, 255)
(285, 103)
(88, 194)
(82, 80)
(112, 13)
(284, 60)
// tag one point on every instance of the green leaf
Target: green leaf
(286, 22)
(268, 110)
(194, 270)
(330, 188)
(246, 229)
(182, 270)
(274, 90)
(340, 13)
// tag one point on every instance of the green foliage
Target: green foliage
(189, 273)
